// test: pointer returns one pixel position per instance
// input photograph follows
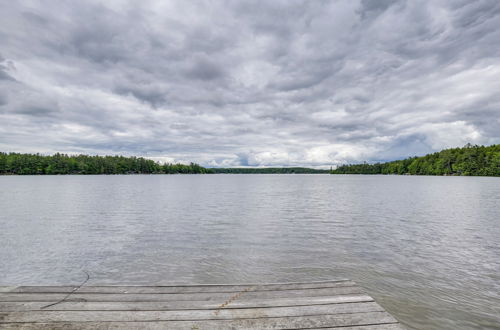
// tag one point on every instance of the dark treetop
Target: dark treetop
(469, 160)
(270, 170)
(14, 163)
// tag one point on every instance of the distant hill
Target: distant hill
(470, 160)
(269, 170)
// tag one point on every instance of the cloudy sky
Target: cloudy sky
(249, 83)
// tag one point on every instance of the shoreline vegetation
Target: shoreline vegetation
(471, 160)
(33, 164)
(467, 161)
(268, 170)
(60, 164)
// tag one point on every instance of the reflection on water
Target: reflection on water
(427, 248)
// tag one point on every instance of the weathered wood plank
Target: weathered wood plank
(297, 322)
(163, 325)
(387, 326)
(330, 304)
(77, 296)
(181, 289)
(180, 305)
(189, 315)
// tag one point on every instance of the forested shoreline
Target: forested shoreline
(269, 170)
(471, 160)
(37, 164)
(468, 161)
(26, 164)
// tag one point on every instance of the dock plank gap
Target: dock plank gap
(339, 304)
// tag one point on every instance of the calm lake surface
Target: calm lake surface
(427, 248)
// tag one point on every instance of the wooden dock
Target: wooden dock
(326, 305)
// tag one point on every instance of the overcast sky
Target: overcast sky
(249, 83)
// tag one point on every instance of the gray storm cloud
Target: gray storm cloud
(257, 83)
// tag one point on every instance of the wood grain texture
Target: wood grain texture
(182, 305)
(182, 289)
(78, 296)
(330, 304)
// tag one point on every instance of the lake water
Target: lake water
(427, 248)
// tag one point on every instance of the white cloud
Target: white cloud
(276, 83)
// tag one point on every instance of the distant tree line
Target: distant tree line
(16, 163)
(269, 170)
(470, 160)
